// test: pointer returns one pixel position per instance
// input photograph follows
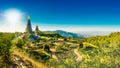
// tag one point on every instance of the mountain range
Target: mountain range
(83, 34)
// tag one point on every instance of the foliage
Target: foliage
(80, 45)
(18, 42)
(106, 55)
(46, 48)
(5, 45)
(97, 52)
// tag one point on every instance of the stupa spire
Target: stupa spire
(37, 29)
(28, 17)
(29, 27)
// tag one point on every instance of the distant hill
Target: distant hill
(67, 34)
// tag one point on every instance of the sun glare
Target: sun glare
(13, 20)
(13, 16)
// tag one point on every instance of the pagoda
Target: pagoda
(29, 27)
(36, 29)
(32, 35)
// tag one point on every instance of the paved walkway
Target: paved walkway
(53, 54)
(79, 57)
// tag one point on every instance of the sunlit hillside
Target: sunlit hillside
(55, 51)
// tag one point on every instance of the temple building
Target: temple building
(29, 27)
(32, 35)
(36, 29)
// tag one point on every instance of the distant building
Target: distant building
(36, 29)
(32, 35)
(29, 27)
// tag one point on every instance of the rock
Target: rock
(18, 62)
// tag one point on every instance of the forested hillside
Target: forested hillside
(105, 56)
(67, 34)
(55, 51)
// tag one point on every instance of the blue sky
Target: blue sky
(60, 14)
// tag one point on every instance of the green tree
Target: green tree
(80, 45)
(46, 48)
(18, 42)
